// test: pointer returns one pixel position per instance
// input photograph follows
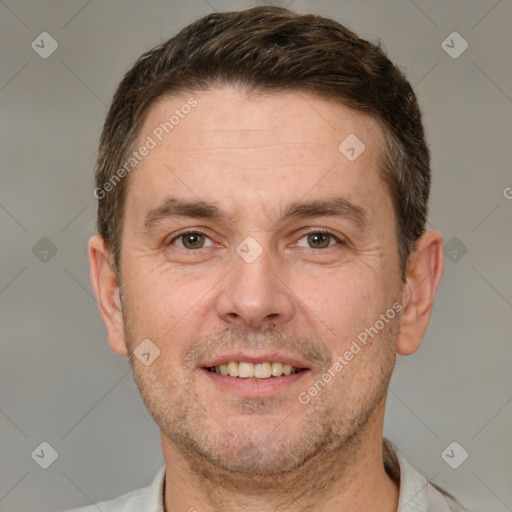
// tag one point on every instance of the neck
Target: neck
(349, 478)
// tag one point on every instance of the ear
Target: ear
(105, 285)
(424, 270)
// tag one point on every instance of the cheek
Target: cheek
(162, 305)
(342, 305)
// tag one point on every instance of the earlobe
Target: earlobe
(424, 270)
(106, 289)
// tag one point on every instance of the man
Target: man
(263, 183)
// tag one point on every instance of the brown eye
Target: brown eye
(191, 240)
(318, 240)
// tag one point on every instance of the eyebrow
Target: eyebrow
(174, 207)
(331, 207)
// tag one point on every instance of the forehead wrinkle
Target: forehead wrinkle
(288, 145)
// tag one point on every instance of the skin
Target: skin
(252, 156)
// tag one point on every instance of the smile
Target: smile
(247, 370)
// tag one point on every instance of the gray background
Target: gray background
(59, 380)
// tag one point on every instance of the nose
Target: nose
(254, 295)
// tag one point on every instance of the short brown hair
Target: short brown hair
(273, 49)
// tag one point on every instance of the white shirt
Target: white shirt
(416, 495)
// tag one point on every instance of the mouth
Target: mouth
(248, 370)
(255, 377)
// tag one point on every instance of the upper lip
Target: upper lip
(268, 357)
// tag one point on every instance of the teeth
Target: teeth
(262, 370)
(245, 370)
(233, 369)
(277, 369)
(287, 369)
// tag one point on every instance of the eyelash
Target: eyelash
(314, 231)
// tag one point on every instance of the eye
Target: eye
(191, 240)
(318, 240)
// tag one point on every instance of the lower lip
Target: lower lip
(255, 388)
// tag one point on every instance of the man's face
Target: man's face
(305, 282)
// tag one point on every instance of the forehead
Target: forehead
(239, 117)
(224, 143)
